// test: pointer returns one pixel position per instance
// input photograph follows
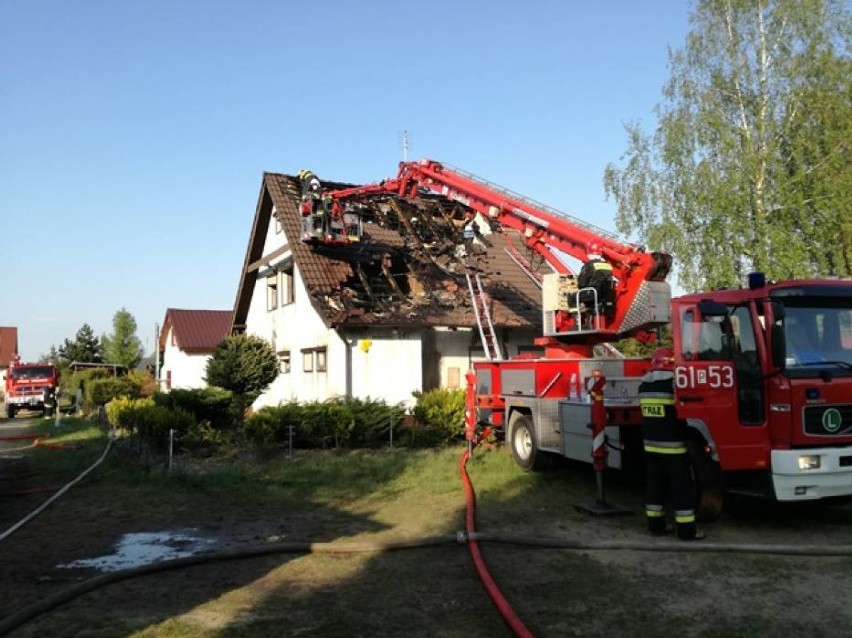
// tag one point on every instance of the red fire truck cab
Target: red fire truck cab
(31, 386)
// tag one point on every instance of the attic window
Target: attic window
(272, 292)
(286, 285)
(277, 221)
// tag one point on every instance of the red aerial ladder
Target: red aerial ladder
(630, 303)
(766, 416)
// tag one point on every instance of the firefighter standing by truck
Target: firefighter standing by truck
(668, 474)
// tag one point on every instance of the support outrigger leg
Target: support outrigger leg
(600, 506)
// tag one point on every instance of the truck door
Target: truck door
(720, 384)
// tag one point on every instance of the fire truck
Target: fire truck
(31, 386)
(763, 373)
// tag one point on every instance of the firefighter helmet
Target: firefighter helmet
(662, 359)
(593, 252)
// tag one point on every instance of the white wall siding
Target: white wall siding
(390, 369)
(187, 370)
(383, 364)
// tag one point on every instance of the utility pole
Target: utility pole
(157, 354)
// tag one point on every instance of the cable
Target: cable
(62, 491)
(668, 546)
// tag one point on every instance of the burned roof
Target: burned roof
(408, 269)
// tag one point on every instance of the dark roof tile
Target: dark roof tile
(429, 285)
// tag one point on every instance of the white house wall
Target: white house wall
(385, 364)
(186, 370)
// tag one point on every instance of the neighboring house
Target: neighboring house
(8, 350)
(384, 317)
(187, 341)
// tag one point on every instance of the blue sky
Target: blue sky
(133, 135)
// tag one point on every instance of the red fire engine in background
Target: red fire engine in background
(763, 374)
(31, 386)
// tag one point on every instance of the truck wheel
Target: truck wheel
(10, 411)
(524, 447)
(708, 482)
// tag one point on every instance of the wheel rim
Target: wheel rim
(523, 442)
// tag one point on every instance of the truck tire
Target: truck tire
(709, 492)
(524, 447)
(10, 411)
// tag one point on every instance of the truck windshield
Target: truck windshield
(818, 336)
(32, 372)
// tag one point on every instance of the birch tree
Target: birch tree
(750, 166)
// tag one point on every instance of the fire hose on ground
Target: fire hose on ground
(58, 494)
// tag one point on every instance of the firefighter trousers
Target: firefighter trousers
(669, 482)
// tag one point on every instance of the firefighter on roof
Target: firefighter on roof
(669, 477)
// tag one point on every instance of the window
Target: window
(271, 292)
(321, 360)
(277, 221)
(453, 376)
(307, 360)
(285, 285)
(284, 361)
(168, 379)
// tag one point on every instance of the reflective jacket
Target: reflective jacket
(662, 431)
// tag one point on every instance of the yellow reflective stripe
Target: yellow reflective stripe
(602, 265)
(654, 513)
(653, 410)
(665, 450)
(656, 401)
(685, 518)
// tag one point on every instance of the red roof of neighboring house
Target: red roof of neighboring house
(196, 330)
(8, 345)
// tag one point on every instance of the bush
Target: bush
(443, 410)
(204, 436)
(152, 423)
(269, 425)
(143, 384)
(211, 405)
(102, 391)
(119, 411)
(70, 383)
(324, 424)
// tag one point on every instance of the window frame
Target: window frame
(284, 362)
(272, 292)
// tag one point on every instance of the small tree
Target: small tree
(245, 365)
(123, 346)
(86, 348)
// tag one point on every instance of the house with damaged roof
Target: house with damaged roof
(387, 315)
